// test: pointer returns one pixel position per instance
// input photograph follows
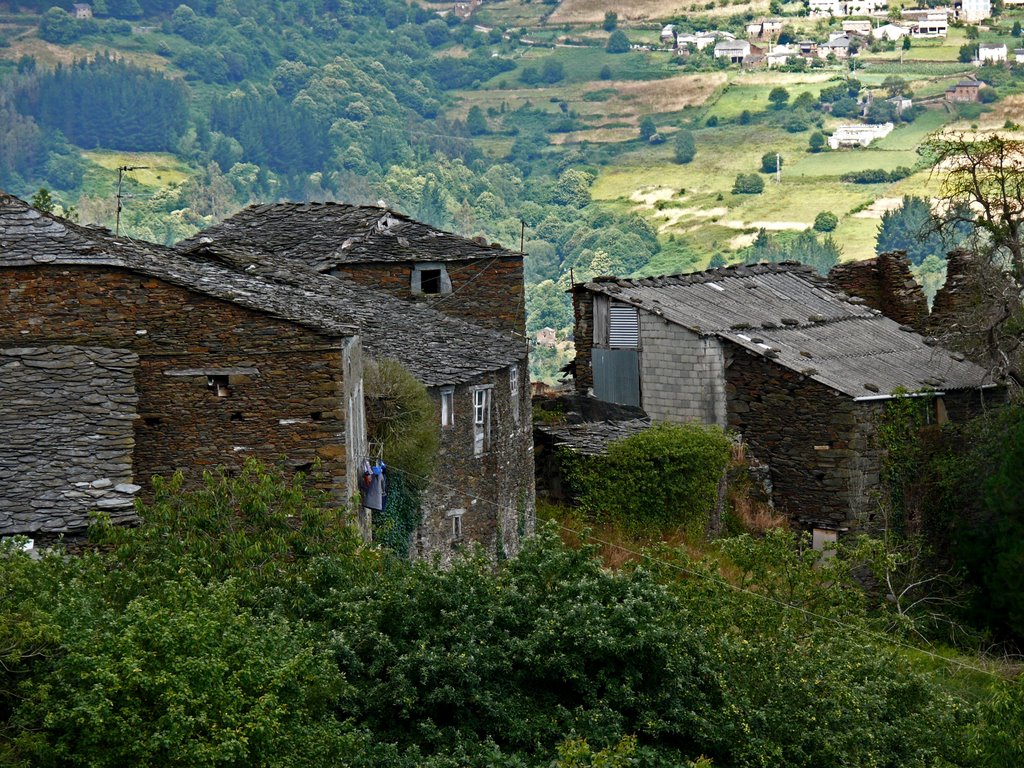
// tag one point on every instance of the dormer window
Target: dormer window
(430, 279)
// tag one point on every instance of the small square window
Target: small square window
(457, 527)
(430, 281)
(219, 385)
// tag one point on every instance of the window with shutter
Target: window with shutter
(623, 326)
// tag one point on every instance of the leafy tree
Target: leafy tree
(605, 73)
(647, 128)
(826, 221)
(552, 71)
(912, 228)
(58, 26)
(617, 42)
(476, 123)
(778, 97)
(770, 162)
(748, 184)
(984, 188)
(547, 306)
(43, 200)
(817, 142)
(906, 43)
(611, 21)
(435, 32)
(968, 52)
(573, 188)
(1015, 31)
(685, 147)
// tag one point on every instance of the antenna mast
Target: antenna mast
(121, 171)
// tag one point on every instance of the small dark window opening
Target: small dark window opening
(304, 468)
(316, 415)
(236, 416)
(152, 421)
(219, 385)
(430, 281)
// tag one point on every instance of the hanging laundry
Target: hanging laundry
(372, 485)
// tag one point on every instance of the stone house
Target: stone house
(733, 50)
(450, 310)
(799, 369)
(81, 10)
(965, 90)
(120, 361)
(470, 279)
(779, 56)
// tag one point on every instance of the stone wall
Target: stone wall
(886, 284)
(681, 373)
(583, 311)
(820, 445)
(66, 438)
(488, 292)
(286, 397)
(496, 489)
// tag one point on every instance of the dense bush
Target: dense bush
(876, 175)
(663, 478)
(685, 148)
(826, 221)
(748, 184)
(240, 625)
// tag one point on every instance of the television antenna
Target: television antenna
(121, 171)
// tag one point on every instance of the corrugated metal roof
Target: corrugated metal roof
(789, 314)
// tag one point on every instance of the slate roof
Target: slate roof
(791, 315)
(31, 238)
(592, 438)
(436, 348)
(326, 235)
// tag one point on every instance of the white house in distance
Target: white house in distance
(992, 52)
(866, 7)
(974, 11)
(779, 56)
(858, 135)
(927, 23)
(668, 34)
(1018, 55)
(890, 32)
(81, 11)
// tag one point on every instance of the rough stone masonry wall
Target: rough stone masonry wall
(496, 489)
(487, 292)
(886, 284)
(286, 394)
(66, 437)
(819, 444)
(681, 376)
(583, 310)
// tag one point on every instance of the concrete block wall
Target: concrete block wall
(682, 374)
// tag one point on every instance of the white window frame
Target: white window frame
(513, 391)
(480, 398)
(445, 281)
(455, 515)
(448, 406)
(482, 419)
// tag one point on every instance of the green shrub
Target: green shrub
(748, 184)
(663, 478)
(826, 221)
(685, 147)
